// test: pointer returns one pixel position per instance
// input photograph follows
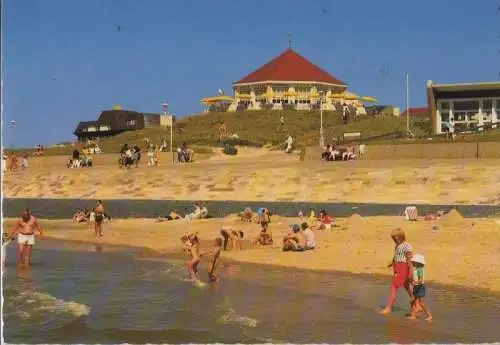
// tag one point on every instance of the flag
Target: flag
(12, 123)
(220, 92)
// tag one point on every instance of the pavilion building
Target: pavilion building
(464, 106)
(288, 81)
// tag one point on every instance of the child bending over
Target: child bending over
(214, 258)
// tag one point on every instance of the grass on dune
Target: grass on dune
(259, 128)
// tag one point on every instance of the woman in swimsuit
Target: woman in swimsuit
(99, 218)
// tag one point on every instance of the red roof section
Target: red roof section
(290, 66)
(417, 112)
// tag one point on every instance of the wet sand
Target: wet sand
(260, 175)
(460, 252)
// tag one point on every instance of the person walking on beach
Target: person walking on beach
(418, 288)
(26, 229)
(99, 219)
(402, 267)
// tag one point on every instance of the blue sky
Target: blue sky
(65, 60)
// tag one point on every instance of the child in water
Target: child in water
(418, 288)
(214, 258)
(186, 244)
(192, 265)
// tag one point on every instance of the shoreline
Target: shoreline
(359, 245)
(131, 209)
(147, 253)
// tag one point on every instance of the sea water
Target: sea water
(79, 293)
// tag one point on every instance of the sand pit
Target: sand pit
(452, 218)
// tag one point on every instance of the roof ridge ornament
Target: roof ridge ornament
(289, 41)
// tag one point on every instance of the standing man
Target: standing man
(99, 219)
(26, 229)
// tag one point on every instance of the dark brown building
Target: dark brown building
(113, 122)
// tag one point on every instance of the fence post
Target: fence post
(477, 149)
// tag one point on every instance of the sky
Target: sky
(65, 61)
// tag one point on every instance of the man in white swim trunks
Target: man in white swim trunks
(26, 229)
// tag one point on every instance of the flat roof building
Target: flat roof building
(463, 107)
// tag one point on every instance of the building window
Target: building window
(466, 105)
(444, 106)
(445, 116)
(487, 104)
(91, 129)
(104, 128)
(131, 122)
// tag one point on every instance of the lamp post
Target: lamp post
(407, 103)
(171, 123)
(321, 137)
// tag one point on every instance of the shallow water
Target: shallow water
(64, 208)
(79, 293)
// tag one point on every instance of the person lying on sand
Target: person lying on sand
(81, 216)
(231, 236)
(214, 259)
(200, 211)
(172, 216)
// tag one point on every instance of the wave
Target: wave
(40, 307)
(230, 316)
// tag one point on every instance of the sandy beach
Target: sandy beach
(261, 175)
(461, 252)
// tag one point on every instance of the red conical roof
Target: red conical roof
(290, 66)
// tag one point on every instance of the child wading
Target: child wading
(192, 264)
(418, 261)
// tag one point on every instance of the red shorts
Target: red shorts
(401, 272)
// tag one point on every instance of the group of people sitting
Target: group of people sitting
(335, 153)
(129, 156)
(79, 160)
(83, 215)
(200, 212)
(184, 154)
(14, 162)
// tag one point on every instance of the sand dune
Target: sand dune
(260, 175)
(458, 251)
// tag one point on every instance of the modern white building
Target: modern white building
(463, 107)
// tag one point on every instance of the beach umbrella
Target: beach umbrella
(369, 99)
(350, 96)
